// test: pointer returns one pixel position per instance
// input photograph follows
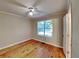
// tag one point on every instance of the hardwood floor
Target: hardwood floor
(32, 49)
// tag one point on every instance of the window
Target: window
(44, 28)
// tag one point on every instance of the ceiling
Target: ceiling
(45, 7)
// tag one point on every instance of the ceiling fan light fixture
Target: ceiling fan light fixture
(31, 13)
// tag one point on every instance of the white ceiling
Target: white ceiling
(19, 7)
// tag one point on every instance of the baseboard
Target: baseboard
(27, 40)
(14, 44)
(49, 43)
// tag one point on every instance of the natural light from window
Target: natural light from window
(44, 28)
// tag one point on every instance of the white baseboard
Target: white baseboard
(13, 44)
(27, 40)
(49, 43)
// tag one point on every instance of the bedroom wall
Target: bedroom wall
(57, 38)
(13, 29)
(75, 28)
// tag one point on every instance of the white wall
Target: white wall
(75, 28)
(57, 38)
(64, 33)
(13, 29)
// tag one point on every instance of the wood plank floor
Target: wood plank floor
(32, 49)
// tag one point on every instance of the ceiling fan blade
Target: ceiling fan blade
(39, 11)
(16, 3)
(37, 2)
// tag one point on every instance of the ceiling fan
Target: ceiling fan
(33, 10)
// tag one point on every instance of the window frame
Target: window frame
(44, 29)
